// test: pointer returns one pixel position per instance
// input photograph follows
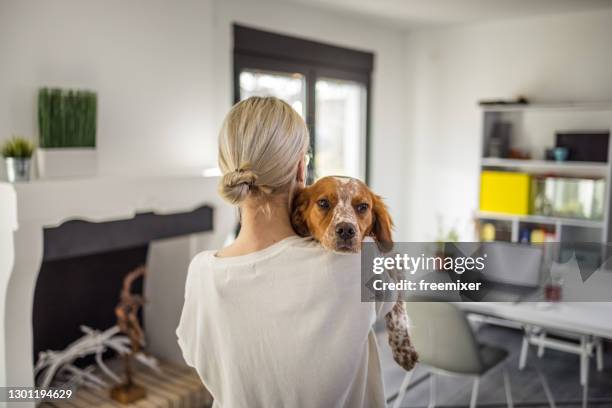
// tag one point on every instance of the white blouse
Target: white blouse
(282, 327)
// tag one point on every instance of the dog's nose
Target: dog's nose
(344, 230)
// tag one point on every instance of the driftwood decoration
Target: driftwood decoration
(127, 310)
(127, 321)
(57, 368)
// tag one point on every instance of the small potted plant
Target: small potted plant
(17, 153)
(444, 237)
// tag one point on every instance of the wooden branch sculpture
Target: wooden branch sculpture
(127, 320)
(127, 310)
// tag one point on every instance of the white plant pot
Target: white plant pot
(67, 162)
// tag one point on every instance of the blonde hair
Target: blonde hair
(260, 145)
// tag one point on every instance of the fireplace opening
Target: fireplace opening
(83, 290)
(84, 264)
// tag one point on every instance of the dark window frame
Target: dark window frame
(267, 51)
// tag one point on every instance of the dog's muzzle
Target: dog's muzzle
(345, 237)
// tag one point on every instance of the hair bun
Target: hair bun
(261, 142)
(236, 185)
(241, 177)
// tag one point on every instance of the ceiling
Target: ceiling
(410, 13)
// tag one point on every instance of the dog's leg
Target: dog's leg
(404, 353)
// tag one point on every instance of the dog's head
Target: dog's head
(340, 212)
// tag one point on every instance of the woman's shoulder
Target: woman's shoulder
(201, 258)
(294, 250)
(313, 249)
(199, 262)
(306, 243)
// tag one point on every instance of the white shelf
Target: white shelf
(541, 219)
(575, 168)
(568, 106)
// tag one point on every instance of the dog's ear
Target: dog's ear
(381, 225)
(298, 212)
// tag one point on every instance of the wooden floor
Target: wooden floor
(176, 387)
(561, 371)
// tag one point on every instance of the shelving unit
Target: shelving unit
(555, 222)
(533, 128)
(583, 169)
(542, 219)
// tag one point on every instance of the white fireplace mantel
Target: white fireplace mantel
(27, 208)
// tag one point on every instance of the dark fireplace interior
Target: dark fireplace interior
(83, 267)
(82, 290)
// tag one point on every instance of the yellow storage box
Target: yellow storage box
(504, 192)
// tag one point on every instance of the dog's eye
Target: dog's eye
(323, 204)
(361, 208)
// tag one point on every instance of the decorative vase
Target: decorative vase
(17, 168)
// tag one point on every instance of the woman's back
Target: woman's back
(281, 327)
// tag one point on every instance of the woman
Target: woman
(274, 320)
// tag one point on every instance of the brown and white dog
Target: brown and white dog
(340, 212)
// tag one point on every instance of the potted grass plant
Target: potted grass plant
(67, 132)
(17, 153)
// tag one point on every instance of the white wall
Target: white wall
(149, 60)
(163, 70)
(388, 125)
(555, 58)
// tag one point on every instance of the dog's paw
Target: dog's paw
(406, 357)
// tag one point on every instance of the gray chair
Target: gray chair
(446, 344)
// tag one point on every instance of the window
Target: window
(340, 127)
(286, 86)
(328, 85)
